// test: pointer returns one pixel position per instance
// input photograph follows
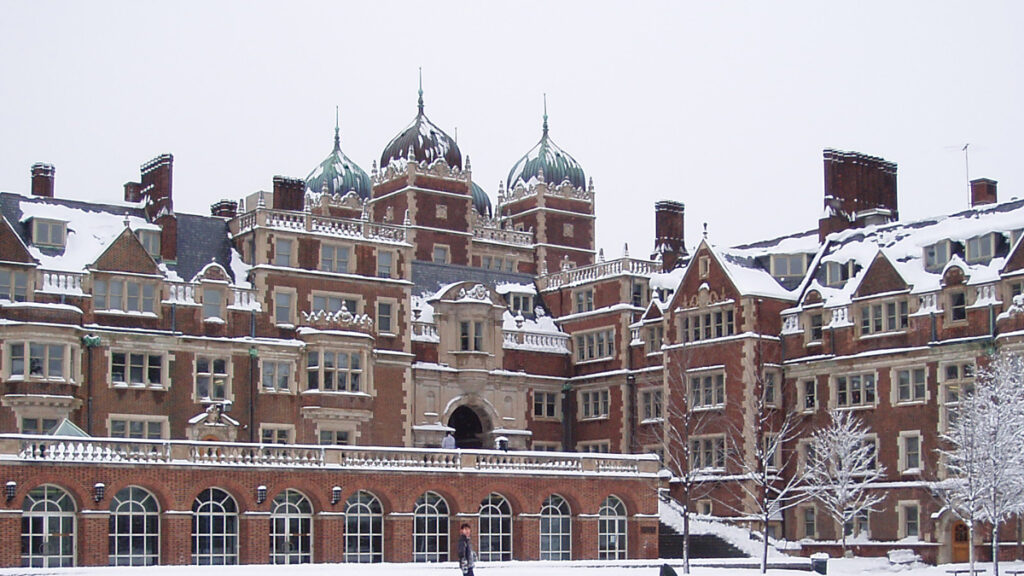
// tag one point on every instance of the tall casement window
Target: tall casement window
(958, 306)
(430, 529)
(707, 325)
(137, 369)
(555, 529)
(134, 528)
(214, 528)
(911, 384)
(471, 336)
(594, 403)
(334, 371)
(883, 317)
(277, 376)
(611, 530)
(213, 303)
(364, 528)
(957, 381)
(599, 345)
(545, 404)
(650, 402)
(283, 252)
(291, 529)
(13, 285)
(855, 390)
(123, 295)
(211, 378)
(584, 300)
(385, 320)
(47, 528)
(707, 453)
(707, 391)
(334, 258)
(495, 529)
(385, 264)
(284, 307)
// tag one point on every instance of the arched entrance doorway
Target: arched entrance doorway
(469, 431)
(961, 542)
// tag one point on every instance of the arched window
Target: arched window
(214, 528)
(364, 528)
(291, 529)
(495, 529)
(134, 528)
(48, 528)
(611, 530)
(555, 529)
(430, 529)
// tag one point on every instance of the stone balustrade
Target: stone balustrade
(597, 271)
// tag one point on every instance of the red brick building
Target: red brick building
(232, 369)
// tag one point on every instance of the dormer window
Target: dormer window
(789, 265)
(836, 273)
(150, 240)
(979, 249)
(936, 256)
(521, 303)
(48, 232)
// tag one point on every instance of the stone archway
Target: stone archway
(469, 427)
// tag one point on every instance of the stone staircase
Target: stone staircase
(670, 545)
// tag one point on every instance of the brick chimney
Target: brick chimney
(983, 191)
(860, 190)
(132, 192)
(154, 190)
(289, 193)
(224, 209)
(42, 179)
(668, 233)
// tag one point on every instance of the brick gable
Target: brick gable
(881, 277)
(126, 254)
(11, 246)
(1015, 261)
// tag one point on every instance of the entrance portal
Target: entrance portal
(469, 432)
(961, 543)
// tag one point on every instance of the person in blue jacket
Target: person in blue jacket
(467, 558)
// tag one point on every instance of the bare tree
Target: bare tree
(841, 468)
(985, 459)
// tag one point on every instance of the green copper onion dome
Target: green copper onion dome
(340, 174)
(481, 201)
(427, 141)
(556, 164)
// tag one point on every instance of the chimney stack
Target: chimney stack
(42, 179)
(860, 190)
(132, 192)
(289, 193)
(154, 191)
(668, 233)
(224, 209)
(983, 191)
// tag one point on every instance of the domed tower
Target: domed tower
(548, 192)
(422, 177)
(337, 175)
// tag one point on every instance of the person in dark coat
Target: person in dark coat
(467, 558)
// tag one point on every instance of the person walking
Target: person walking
(448, 442)
(467, 558)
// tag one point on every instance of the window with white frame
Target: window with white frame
(595, 403)
(48, 232)
(334, 258)
(958, 305)
(440, 254)
(41, 361)
(277, 433)
(815, 322)
(364, 529)
(123, 295)
(138, 427)
(655, 337)
(808, 521)
(283, 252)
(980, 248)
(334, 437)
(809, 395)
(212, 380)
(495, 529)
(611, 529)
(709, 324)
(213, 302)
(772, 458)
(936, 256)
(858, 526)
(650, 401)
(284, 307)
(771, 387)
(704, 266)
(385, 263)
(600, 447)
(35, 425)
(335, 302)
(334, 370)
(538, 446)
(707, 453)
(855, 390)
(214, 529)
(957, 380)
(789, 265)
(555, 529)
(910, 451)
(150, 240)
(910, 519)
(385, 321)
(522, 303)
(48, 528)
(883, 317)
(836, 273)
(276, 376)
(430, 529)
(134, 528)
(291, 528)
(137, 369)
(13, 285)
(705, 507)
(641, 293)
(584, 300)
(597, 345)
(471, 336)
(545, 404)
(911, 384)
(707, 391)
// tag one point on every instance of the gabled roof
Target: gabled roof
(126, 254)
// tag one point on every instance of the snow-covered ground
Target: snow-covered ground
(836, 567)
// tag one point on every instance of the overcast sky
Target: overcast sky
(725, 106)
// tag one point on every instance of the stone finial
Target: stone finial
(406, 220)
(373, 169)
(262, 202)
(543, 267)
(127, 222)
(468, 165)
(590, 185)
(705, 230)
(411, 155)
(600, 255)
(540, 174)
(625, 250)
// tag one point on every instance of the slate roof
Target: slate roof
(428, 277)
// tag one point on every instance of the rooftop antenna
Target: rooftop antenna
(421, 90)
(337, 137)
(967, 165)
(545, 113)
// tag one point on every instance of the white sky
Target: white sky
(725, 106)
